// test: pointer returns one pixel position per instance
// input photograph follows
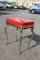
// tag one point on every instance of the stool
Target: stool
(20, 25)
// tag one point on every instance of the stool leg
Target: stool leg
(6, 32)
(21, 37)
(16, 34)
(31, 37)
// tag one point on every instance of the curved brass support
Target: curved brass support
(16, 34)
(32, 30)
(6, 32)
(21, 37)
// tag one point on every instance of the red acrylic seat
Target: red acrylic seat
(19, 22)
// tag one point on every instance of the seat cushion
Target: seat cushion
(19, 22)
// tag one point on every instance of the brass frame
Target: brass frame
(20, 28)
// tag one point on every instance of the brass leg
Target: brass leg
(31, 37)
(21, 37)
(16, 34)
(6, 32)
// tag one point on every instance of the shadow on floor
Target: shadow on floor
(35, 38)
